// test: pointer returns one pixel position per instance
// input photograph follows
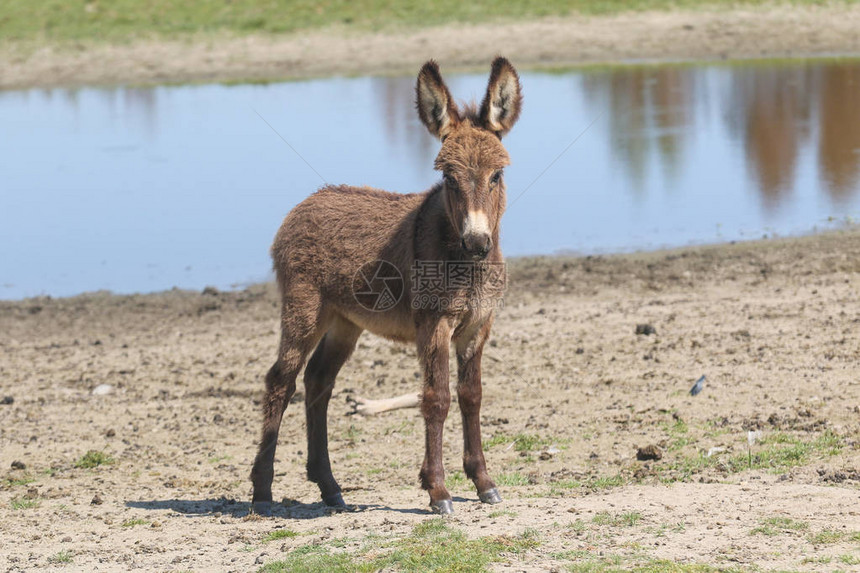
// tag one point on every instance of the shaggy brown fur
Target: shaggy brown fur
(327, 238)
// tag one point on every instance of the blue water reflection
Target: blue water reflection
(142, 189)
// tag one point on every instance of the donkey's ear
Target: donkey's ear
(504, 100)
(436, 107)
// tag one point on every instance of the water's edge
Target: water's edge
(525, 267)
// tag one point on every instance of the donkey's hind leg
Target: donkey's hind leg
(298, 336)
(330, 355)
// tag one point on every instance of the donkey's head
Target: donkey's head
(472, 156)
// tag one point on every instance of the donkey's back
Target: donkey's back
(330, 233)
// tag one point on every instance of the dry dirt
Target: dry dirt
(773, 325)
(767, 31)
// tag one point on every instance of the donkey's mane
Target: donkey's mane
(364, 191)
(422, 216)
(470, 111)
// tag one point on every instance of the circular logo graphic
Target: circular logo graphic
(377, 286)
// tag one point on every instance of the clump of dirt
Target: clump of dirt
(645, 329)
(648, 453)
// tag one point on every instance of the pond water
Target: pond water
(142, 189)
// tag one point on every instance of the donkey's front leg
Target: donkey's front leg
(434, 338)
(469, 351)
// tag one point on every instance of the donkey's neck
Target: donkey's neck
(434, 238)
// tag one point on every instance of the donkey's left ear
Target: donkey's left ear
(504, 100)
(436, 107)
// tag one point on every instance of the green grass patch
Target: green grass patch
(776, 453)
(119, 21)
(587, 562)
(562, 487)
(512, 479)
(456, 480)
(828, 444)
(432, 546)
(134, 522)
(502, 513)
(18, 503)
(280, 534)
(826, 537)
(523, 442)
(353, 433)
(435, 546)
(849, 559)
(311, 559)
(15, 482)
(779, 525)
(628, 519)
(824, 559)
(93, 459)
(663, 566)
(60, 558)
(664, 528)
(679, 435)
(606, 482)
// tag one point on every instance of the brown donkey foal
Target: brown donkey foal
(330, 243)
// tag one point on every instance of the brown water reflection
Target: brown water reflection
(839, 138)
(772, 111)
(650, 111)
(393, 96)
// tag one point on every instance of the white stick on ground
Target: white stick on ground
(367, 407)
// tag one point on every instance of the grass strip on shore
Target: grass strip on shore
(121, 21)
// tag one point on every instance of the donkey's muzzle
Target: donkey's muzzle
(476, 246)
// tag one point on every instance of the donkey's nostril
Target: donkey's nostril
(463, 244)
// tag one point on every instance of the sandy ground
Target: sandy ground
(780, 31)
(772, 324)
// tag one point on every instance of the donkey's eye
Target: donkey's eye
(497, 176)
(450, 183)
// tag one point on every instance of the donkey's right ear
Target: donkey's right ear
(436, 107)
(504, 100)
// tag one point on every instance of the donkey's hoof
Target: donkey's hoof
(490, 496)
(334, 500)
(442, 507)
(263, 508)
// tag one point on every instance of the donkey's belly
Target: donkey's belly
(391, 324)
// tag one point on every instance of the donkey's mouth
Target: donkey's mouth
(475, 254)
